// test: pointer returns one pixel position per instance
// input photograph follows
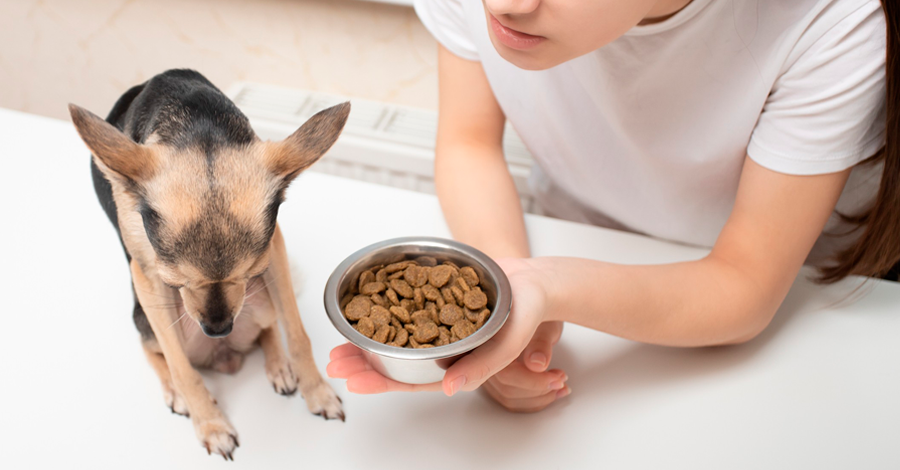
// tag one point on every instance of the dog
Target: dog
(194, 195)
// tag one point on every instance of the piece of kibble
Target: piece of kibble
(482, 317)
(427, 261)
(396, 323)
(440, 302)
(430, 292)
(413, 343)
(365, 278)
(451, 314)
(418, 298)
(379, 300)
(381, 275)
(381, 334)
(439, 275)
(380, 315)
(462, 329)
(469, 275)
(443, 338)
(394, 267)
(402, 287)
(426, 332)
(392, 296)
(447, 294)
(421, 316)
(373, 287)
(358, 308)
(416, 276)
(366, 326)
(409, 305)
(396, 275)
(471, 315)
(392, 333)
(475, 299)
(463, 284)
(433, 311)
(401, 314)
(458, 295)
(402, 337)
(346, 300)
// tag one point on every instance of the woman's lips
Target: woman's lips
(512, 38)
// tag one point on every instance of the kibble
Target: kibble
(419, 303)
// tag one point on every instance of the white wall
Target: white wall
(88, 52)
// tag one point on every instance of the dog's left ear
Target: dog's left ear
(308, 143)
(118, 156)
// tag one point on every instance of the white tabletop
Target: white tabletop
(820, 388)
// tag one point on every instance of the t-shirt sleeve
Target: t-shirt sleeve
(446, 21)
(826, 111)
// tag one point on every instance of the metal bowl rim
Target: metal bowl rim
(499, 314)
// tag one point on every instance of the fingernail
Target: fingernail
(457, 384)
(563, 393)
(539, 359)
(565, 378)
(557, 385)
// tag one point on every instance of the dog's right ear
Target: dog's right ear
(115, 151)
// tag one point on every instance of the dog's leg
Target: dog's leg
(319, 396)
(210, 424)
(278, 367)
(174, 400)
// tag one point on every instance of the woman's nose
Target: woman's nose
(511, 7)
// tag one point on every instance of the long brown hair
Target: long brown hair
(878, 248)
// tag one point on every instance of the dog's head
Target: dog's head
(208, 211)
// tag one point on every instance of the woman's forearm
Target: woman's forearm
(479, 199)
(698, 303)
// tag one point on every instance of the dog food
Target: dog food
(417, 303)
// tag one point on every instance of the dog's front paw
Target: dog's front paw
(321, 400)
(174, 400)
(281, 377)
(217, 436)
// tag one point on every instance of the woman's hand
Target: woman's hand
(518, 385)
(526, 386)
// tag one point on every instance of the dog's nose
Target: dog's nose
(217, 331)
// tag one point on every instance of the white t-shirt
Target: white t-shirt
(649, 132)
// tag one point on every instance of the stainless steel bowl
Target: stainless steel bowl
(418, 366)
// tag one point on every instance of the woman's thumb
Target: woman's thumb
(539, 351)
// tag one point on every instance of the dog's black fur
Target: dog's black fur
(183, 109)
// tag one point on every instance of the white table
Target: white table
(819, 389)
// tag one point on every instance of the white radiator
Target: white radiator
(382, 143)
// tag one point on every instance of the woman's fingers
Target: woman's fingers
(524, 405)
(346, 367)
(539, 351)
(344, 350)
(518, 381)
(491, 357)
(370, 381)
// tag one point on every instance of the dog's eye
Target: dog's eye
(173, 286)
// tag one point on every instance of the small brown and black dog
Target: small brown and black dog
(194, 195)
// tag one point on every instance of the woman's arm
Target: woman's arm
(476, 191)
(729, 296)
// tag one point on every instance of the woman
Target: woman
(748, 126)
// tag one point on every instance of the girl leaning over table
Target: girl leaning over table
(763, 129)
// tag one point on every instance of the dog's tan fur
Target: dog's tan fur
(184, 187)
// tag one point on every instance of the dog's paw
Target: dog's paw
(218, 436)
(281, 378)
(321, 400)
(174, 400)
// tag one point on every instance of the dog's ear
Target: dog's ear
(308, 143)
(114, 150)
